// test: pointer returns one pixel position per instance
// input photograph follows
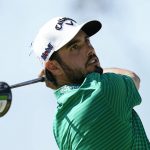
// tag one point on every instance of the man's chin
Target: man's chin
(98, 69)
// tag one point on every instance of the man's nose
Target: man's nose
(90, 50)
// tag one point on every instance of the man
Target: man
(95, 105)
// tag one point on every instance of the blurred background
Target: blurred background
(122, 42)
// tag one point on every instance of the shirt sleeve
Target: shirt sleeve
(121, 92)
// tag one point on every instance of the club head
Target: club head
(5, 98)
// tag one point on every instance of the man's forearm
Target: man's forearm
(129, 73)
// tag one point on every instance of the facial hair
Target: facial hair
(98, 69)
(76, 76)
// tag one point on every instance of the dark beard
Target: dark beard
(74, 76)
(99, 70)
(77, 76)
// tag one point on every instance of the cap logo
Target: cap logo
(67, 21)
(47, 51)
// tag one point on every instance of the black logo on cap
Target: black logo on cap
(65, 20)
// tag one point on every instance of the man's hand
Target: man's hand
(48, 83)
(129, 73)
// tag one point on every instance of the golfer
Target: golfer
(95, 105)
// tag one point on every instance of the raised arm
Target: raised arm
(129, 73)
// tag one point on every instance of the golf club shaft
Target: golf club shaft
(40, 79)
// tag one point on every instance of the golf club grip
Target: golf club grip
(40, 79)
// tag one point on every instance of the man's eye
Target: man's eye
(75, 47)
(88, 41)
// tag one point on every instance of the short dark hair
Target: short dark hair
(55, 56)
(50, 77)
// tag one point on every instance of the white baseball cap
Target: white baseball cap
(59, 31)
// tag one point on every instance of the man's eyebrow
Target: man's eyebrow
(71, 43)
(74, 41)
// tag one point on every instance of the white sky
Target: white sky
(122, 42)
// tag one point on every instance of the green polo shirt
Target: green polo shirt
(99, 115)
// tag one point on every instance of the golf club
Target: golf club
(6, 94)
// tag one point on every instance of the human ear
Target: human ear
(53, 67)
